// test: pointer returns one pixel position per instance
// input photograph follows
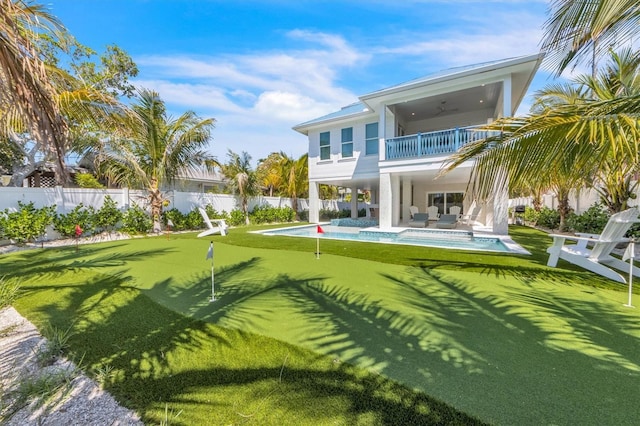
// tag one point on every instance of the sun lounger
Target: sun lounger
(447, 221)
(420, 220)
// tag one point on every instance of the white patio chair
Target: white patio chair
(413, 210)
(220, 228)
(598, 258)
(433, 212)
(455, 210)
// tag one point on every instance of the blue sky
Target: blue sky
(261, 67)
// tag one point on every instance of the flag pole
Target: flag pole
(631, 253)
(210, 256)
(319, 231)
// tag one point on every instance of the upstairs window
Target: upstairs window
(371, 139)
(325, 146)
(347, 142)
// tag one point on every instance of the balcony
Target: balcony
(433, 143)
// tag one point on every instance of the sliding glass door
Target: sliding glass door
(445, 200)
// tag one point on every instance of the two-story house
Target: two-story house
(393, 142)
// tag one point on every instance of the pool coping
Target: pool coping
(512, 246)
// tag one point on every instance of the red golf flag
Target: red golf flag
(78, 231)
(320, 230)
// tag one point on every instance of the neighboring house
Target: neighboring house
(200, 180)
(394, 141)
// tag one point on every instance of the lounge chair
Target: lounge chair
(419, 220)
(220, 228)
(433, 212)
(447, 221)
(413, 210)
(598, 259)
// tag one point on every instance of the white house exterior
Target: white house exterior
(393, 142)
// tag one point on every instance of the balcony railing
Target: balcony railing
(433, 143)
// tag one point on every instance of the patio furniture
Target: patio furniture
(471, 218)
(433, 212)
(419, 220)
(447, 221)
(220, 228)
(413, 210)
(455, 210)
(598, 259)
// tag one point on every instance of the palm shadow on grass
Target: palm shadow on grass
(158, 356)
(515, 358)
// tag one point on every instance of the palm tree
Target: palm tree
(295, 178)
(269, 174)
(26, 92)
(580, 31)
(152, 148)
(242, 177)
(585, 130)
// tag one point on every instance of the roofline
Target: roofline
(312, 123)
(455, 75)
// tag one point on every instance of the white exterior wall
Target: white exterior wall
(337, 167)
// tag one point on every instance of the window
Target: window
(347, 142)
(325, 145)
(371, 139)
(445, 200)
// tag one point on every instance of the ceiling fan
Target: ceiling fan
(442, 108)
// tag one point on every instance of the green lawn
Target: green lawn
(499, 337)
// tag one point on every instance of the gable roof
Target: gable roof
(362, 107)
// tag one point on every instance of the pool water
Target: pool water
(451, 239)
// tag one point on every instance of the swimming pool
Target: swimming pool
(450, 239)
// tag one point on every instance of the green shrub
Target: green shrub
(269, 214)
(178, 219)
(193, 220)
(136, 221)
(27, 223)
(592, 221)
(236, 217)
(531, 215)
(326, 214)
(87, 180)
(81, 216)
(109, 215)
(548, 218)
(304, 215)
(214, 214)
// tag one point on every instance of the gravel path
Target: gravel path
(77, 401)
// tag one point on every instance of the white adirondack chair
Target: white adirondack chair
(598, 258)
(413, 210)
(433, 212)
(220, 228)
(455, 210)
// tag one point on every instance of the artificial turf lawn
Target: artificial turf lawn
(500, 337)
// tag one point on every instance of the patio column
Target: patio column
(500, 223)
(354, 202)
(385, 201)
(382, 129)
(314, 202)
(395, 199)
(406, 198)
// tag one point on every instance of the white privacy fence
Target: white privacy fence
(66, 199)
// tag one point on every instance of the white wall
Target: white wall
(66, 199)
